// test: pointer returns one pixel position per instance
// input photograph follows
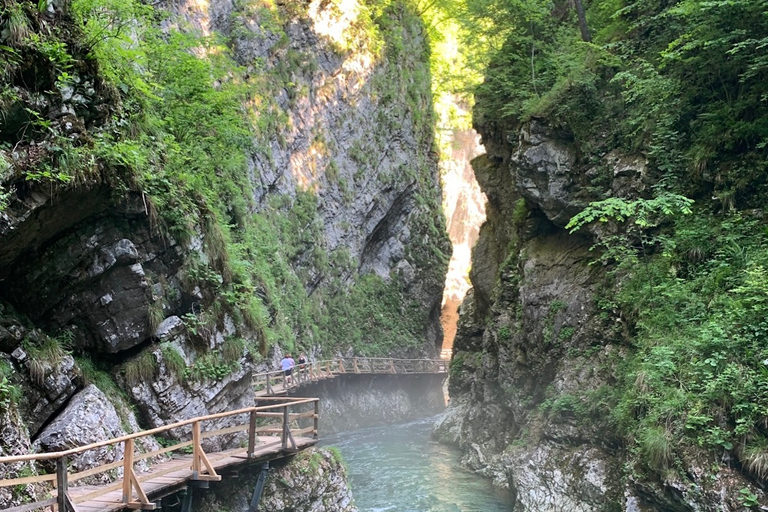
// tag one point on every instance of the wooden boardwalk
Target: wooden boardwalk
(278, 427)
(269, 432)
(174, 475)
(274, 383)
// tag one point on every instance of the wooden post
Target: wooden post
(392, 366)
(252, 435)
(316, 418)
(200, 459)
(269, 386)
(61, 483)
(127, 469)
(354, 365)
(286, 419)
(196, 449)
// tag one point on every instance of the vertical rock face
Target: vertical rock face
(532, 344)
(353, 136)
(89, 270)
(464, 206)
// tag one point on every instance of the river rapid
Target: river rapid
(399, 468)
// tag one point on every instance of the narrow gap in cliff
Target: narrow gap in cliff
(464, 209)
(118, 358)
(51, 418)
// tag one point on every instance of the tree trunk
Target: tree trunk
(585, 36)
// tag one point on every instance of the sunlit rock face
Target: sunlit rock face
(352, 135)
(464, 209)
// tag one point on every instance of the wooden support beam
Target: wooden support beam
(200, 459)
(61, 483)
(252, 434)
(316, 420)
(196, 449)
(131, 483)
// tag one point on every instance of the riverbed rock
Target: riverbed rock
(314, 481)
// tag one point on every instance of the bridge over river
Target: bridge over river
(277, 427)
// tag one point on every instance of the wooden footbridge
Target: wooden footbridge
(277, 383)
(276, 428)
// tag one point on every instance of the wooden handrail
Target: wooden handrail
(157, 430)
(326, 368)
(202, 469)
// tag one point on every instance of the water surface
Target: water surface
(399, 468)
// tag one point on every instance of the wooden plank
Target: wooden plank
(28, 480)
(31, 506)
(74, 477)
(77, 498)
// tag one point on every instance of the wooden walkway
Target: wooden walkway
(274, 383)
(174, 475)
(270, 432)
(278, 427)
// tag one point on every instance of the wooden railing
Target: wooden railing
(274, 382)
(133, 495)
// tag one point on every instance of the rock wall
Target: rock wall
(101, 303)
(464, 206)
(532, 345)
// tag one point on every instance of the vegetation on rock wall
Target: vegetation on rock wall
(681, 83)
(177, 119)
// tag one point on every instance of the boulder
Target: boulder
(88, 418)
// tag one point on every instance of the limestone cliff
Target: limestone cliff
(189, 189)
(534, 351)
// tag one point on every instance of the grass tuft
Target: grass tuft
(141, 369)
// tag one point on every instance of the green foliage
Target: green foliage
(457, 365)
(10, 393)
(698, 368)
(213, 366)
(44, 352)
(374, 317)
(747, 498)
(681, 82)
(173, 360)
(15, 28)
(141, 369)
(655, 446)
(336, 455)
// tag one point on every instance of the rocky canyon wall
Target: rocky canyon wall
(266, 182)
(535, 348)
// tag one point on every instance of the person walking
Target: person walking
(287, 364)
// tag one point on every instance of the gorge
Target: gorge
(191, 189)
